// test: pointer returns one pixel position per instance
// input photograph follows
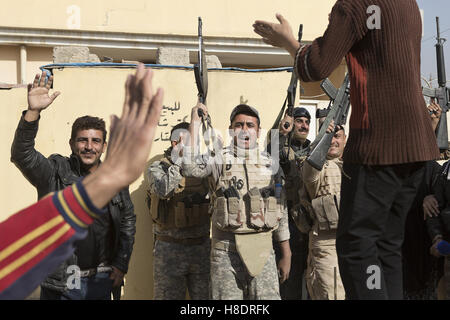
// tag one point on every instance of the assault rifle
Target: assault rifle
(337, 110)
(290, 100)
(292, 90)
(441, 93)
(201, 79)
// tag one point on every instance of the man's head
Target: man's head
(88, 140)
(177, 134)
(337, 144)
(244, 126)
(302, 119)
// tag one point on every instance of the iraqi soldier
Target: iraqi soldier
(291, 289)
(248, 207)
(179, 209)
(322, 189)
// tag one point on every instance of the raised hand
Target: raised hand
(38, 93)
(130, 140)
(435, 113)
(287, 119)
(277, 34)
(194, 113)
(331, 127)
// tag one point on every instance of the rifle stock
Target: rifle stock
(318, 156)
(337, 112)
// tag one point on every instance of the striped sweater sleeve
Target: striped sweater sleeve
(35, 240)
(318, 60)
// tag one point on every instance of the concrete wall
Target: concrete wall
(10, 63)
(133, 30)
(100, 92)
(231, 18)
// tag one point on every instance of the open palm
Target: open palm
(38, 93)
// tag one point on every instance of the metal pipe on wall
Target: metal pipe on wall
(23, 64)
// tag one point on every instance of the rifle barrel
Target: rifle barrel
(438, 29)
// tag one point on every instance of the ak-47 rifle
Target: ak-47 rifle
(201, 79)
(441, 93)
(290, 100)
(337, 111)
(292, 90)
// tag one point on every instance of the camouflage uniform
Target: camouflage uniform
(242, 259)
(181, 254)
(324, 189)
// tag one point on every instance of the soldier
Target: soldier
(291, 289)
(248, 206)
(323, 189)
(179, 209)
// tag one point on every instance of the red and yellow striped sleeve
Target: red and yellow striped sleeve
(35, 240)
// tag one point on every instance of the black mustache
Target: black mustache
(243, 136)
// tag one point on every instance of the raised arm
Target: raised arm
(33, 165)
(164, 178)
(194, 164)
(316, 61)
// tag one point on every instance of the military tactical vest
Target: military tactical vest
(256, 209)
(293, 181)
(324, 208)
(187, 208)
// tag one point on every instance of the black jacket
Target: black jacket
(57, 172)
(440, 225)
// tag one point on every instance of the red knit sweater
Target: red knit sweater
(389, 122)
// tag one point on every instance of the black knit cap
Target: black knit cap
(301, 112)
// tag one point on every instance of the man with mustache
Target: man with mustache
(248, 209)
(322, 190)
(103, 256)
(291, 289)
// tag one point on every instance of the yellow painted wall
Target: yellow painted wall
(10, 62)
(37, 56)
(99, 92)
(231, 18)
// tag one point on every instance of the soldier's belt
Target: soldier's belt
(187, 241)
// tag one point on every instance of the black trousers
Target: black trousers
(291, 289)
(374, 204)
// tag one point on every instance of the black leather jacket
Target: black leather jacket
(57, 172)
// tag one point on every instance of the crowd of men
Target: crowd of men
(243, 223)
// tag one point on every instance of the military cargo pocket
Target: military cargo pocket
(181, 214)
(154, 204)
(256, 209)
(272, 210)
(234, 212)
(220, 215)
(326, 212)
(194, 217)
(301, 218)
(204, 213)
